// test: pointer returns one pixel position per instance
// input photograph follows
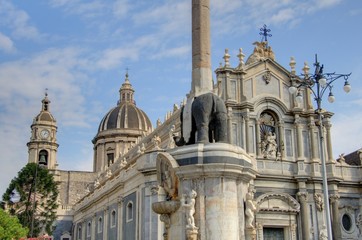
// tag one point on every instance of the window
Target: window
(89, 225)
(129, 211)
(43, 158)
(100, 225)
(289, 142)
(113, 218)
(234, 134)
(232, 90)
(306, 144)
(79, 232)
(110, 158)
(347, 222)
(273, 233)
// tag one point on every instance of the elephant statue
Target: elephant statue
(208, 121)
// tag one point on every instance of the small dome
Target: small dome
(45, 114)
(125, 116)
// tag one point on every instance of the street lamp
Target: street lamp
(41, 163)
(318, 83)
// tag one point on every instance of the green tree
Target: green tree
(10, 228)
(37, 199)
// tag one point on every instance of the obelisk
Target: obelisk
(201, 53)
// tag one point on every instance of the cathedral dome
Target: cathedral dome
(126, 115)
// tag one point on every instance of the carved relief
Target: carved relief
(166, 176)
(359, 223)
(318, 198)
(277, 202)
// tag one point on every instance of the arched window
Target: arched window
(100, 225)
(79, 232)
(43, 158)
(268, 135)
(129, 211)
(89, 225)
(113, 218)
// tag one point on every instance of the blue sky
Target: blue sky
(80, 50)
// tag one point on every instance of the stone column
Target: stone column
(247, 133)
(303, 196)
(201, 53)
(230, 118)
(119, 220)
(328, 126)
(105, 223)
(299, 137)
(258, 140)
(334, 200)
(314, 144)
(94, 224)
(281, 138)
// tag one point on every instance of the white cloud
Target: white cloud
(182, 51)
(18, 21)
(6, 44)
(114, 57)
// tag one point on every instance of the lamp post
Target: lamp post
(318, 83)
(41, 163)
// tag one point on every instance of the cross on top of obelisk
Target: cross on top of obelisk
(264, 31)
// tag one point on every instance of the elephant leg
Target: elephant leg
(220, 130)
(202, 132)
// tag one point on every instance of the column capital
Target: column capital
(303, 196)
(334, 198)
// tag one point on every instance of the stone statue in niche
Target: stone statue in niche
(250, 210)
(169, 183)
(269, 145)
(203, 120)
(188, 204)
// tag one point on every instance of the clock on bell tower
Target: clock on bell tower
(43, 147)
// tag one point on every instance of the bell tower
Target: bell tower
(42, 147)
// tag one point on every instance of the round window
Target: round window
(347, 222)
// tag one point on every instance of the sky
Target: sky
(80, 49)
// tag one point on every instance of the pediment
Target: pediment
(277, 202)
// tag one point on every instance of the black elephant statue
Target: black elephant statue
(208, 121)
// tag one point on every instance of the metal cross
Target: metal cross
(265, 33)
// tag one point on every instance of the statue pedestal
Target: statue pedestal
(250, 234)
(220, 174)
(191, 234)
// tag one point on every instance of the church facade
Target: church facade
(263, 182)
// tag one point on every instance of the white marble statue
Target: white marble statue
(188, 203)
(323, 233)
(269, 145)
(250, 210)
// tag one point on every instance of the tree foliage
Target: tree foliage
(37, 203)
(10, 228)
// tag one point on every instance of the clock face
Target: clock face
(44, 134)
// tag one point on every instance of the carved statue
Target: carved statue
(323, 233)
(250, 210)
(359, 223)
(269, 145)
(156, 140)
(170, 183)
(208, 118)
(188, 203)
(318, 201)
(171, 142)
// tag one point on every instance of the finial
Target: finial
(306, 69)
(227, 58)
(292, 65)
(241, 56)
(46, 92)
(265, 33)
(127, 80)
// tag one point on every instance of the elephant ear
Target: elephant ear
(187, 120)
